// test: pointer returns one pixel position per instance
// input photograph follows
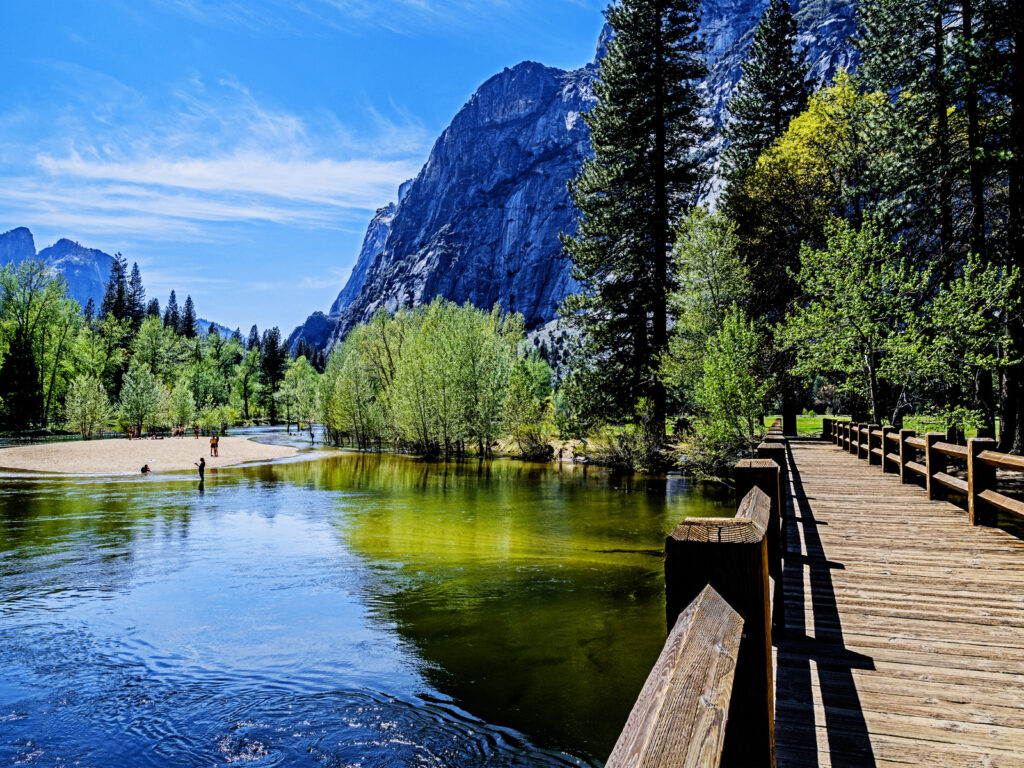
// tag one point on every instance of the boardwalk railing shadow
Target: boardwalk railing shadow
(849, 744)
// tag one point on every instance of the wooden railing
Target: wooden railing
(709, 699)
(925, 459)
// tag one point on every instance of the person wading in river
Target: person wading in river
(202, 468)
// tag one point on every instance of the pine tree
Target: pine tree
(115, 296)
(772, 91)
(254, 339)
(136, 297)
(172, 315)
(90, 309)
(646, 173)
(273, 362)
(236, 335)
(153, 308)
(187, 328)
(906, 52)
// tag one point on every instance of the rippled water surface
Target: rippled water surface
(336, 610)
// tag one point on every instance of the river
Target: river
(338, 610)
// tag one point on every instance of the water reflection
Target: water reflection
(350, 607)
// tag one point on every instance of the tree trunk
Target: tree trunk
(941, 107)
(661, 242)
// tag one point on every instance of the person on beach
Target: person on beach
(202, 469)
(145, 469)
(196, 430)
(213, 444)
(216, 445)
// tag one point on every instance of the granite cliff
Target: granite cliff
(480, 222)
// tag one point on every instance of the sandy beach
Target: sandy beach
(122, 456)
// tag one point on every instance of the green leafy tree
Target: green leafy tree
(86, 408)
(525, 414)
(182, 406)
(711, 277)
(860, 295)
(141, 397)
(730, 395)
(645, 174)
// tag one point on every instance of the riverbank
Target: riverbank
(122, 457)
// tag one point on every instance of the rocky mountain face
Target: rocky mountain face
(84, 269)
(480, 222)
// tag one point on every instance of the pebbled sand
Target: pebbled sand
(122, 456)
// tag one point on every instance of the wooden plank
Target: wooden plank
(951, 482)
(916, 468)
(680, 716)
(952, 449)
(1003, 460)
(1003, 503)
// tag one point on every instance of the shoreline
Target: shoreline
(126, 457)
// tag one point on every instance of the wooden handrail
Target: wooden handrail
(731, 556)
(982, 461)
(1008, 461)
(951, 449)
(681, 714)
(917, 468)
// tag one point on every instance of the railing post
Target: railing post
(887, 464)
(845, 442)
(872, 459)
(731, 555)
(906, 452)
(980, 478)
(826, 429)
(934, 462)
(861, 449)
(768, 473)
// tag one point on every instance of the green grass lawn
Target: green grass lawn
(805, 425)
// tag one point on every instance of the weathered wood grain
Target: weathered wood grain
(680, 716)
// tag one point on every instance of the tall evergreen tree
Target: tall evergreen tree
(136, 297)
(772, 91)
(646, 173)
(254, 339)
(90, 309)
(187, 328)
(153, 308)
(273, 363)
(115, 296)
(172, 315)
(906, 52)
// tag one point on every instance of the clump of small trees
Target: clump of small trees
(442, 379)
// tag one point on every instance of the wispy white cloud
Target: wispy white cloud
(215, 154)
(405, 17)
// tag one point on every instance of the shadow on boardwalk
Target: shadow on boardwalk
(822, 693)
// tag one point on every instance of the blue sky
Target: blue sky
(237, 148)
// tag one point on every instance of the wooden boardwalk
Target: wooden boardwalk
(904, 625)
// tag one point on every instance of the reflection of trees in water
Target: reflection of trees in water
(533, 592)
(82, 535)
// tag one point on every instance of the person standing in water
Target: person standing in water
(202, 469)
